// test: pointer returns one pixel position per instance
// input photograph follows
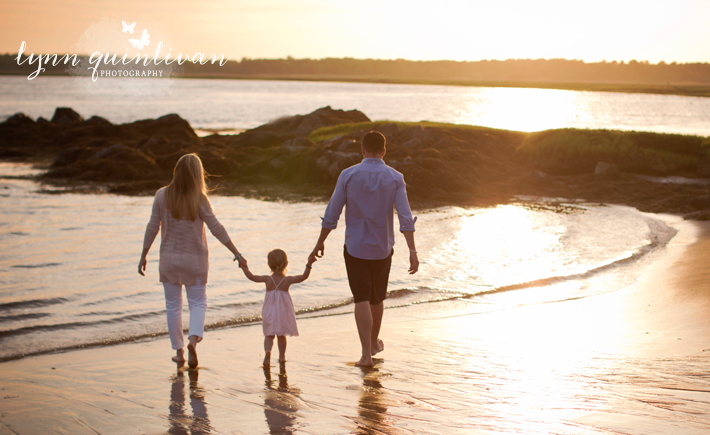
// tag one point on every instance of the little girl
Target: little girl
(278, 315)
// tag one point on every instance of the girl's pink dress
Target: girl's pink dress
(278, 315)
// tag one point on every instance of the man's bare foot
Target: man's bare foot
(191, 356)
(267, 359)
(282, 359)
(179, 357)
(379, 347)
(365, 362)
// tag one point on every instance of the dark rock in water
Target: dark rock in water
(66, 116)
(84, 133)
(113, 164)
(20, 119)
(68, 156)
(113, 151)
(171, 126)
(442, 165)
(97, 120)
(19, 136)
(216, 164)
(157, 146)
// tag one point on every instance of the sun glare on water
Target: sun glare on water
(522, 109)
(512, 235)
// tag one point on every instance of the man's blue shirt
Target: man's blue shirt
(369, 191)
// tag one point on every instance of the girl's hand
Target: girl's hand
(242, 261)
(141, 266)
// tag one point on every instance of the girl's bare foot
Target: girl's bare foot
(180, 356)
(379, 347)
(191, 356)
(267, 359)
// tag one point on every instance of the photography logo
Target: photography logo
(106, 64)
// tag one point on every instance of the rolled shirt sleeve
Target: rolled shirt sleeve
(401, 204)
(335, 205)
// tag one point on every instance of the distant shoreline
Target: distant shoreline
(700, 90)
(686, 90)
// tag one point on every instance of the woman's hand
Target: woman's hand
(141, 265)
(242, 261)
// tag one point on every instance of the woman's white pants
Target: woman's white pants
(196, 301)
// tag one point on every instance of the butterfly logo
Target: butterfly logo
(140, 43)
(128, 27)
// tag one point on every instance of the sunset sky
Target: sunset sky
(653, 30)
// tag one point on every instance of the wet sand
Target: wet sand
(635, 361)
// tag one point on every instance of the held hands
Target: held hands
(242, 261)
(311, 259)
(318, 252)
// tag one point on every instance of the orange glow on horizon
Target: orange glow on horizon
(650, 30)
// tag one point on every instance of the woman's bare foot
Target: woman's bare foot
(180, 356)
(267, 359)
(379, 347)
(191, 356)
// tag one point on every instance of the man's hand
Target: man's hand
(141, 266)
(318, 252)
(413, 263)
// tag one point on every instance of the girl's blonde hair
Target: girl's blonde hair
(277, 261)
(185, 193)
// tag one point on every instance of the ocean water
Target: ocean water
(240, 104)
(68, 263)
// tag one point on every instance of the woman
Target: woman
(181, 209)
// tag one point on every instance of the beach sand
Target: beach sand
(635, 361)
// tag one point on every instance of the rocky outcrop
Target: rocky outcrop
(66, 116)
(442, 165)
(303, 125)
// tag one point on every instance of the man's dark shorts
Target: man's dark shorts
(368, 278)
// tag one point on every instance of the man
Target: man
(369, 190)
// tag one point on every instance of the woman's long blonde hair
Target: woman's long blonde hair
(185, 193)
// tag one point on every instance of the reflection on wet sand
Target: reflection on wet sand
(372, 407)
(180, 422)
(280, 402)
